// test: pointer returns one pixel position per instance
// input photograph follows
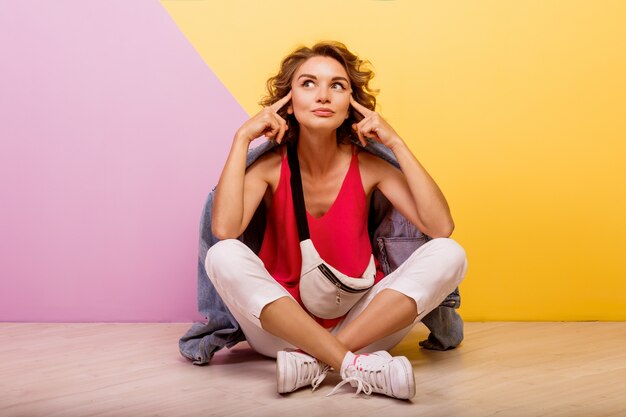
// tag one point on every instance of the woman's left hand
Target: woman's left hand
(374, 126)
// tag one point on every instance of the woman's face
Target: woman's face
(320, 94)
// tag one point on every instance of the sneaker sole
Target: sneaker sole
(280, 380)
(408, 370)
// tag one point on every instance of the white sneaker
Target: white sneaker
(381, 373)
(296, 369)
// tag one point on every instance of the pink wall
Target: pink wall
(112, 132)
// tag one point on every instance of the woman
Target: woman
(319, 101)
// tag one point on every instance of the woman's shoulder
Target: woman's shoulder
(268, 165)
(371, 161)
(373, 169)
(269, 159)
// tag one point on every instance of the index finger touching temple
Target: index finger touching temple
(280, 103)
(359, 107)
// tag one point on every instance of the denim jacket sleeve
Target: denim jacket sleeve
(202, 340)
(393, 240)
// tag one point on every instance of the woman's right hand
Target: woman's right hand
(266, 123)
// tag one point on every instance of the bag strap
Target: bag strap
(297, 194)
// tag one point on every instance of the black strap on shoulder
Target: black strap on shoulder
(297, 194)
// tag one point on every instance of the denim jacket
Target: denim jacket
(393, 238)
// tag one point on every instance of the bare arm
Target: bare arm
(412, 190)
(238, 192)
(414, 193)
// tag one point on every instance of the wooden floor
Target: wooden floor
(502, 368)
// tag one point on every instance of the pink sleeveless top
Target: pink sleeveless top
(340, 235)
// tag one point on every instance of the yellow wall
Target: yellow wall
(517, 109)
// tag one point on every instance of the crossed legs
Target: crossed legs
(388, 312)
(272, 320)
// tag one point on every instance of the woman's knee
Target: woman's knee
(221, 258)
(453, 253)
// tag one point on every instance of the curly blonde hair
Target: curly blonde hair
(280, 84)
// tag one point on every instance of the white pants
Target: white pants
(432, 272)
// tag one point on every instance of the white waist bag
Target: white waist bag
(324, 291)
